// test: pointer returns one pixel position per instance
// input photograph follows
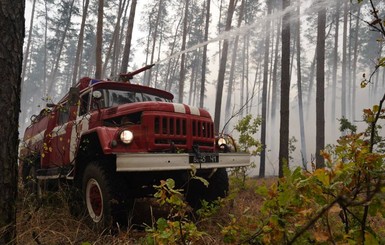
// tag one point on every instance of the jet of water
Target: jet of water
(312, 8)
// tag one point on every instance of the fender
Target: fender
(101, 136)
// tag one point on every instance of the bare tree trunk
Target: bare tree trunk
(204, 58)
(285, 91)
(245, 71)
(355, 57)
(26, 52)
(154, 38)
(11, 50)
(274, 93)
(167, 85)
(182, 73)
(222, 68)
(79, 49)
(192, 79)
(344, 61)
(230, 88)
(335, 63)
(99, 41)
(320, 95)
(299, 88)
(25, 60)
(45, 85)
(127, 45)
(113, 41)
(61, 46)
(264, 94)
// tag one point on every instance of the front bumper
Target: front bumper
(135, 162)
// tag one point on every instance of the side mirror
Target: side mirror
(97, 95)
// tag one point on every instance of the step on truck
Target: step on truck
(114, 140)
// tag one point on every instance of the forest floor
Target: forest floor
(50, 222)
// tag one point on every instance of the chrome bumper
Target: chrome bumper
(135, 162)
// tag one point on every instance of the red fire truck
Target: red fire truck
(114, 140)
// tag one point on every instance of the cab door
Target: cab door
(56, 148)
(80, 123)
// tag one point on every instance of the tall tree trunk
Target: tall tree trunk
(222, 68)
(182, 73)
(230, 88)
(264, 94)
(192, 78)
(299, 88)
(344, 60)
(154, 38)
(355, 57)
(335, 63)
(114, 40)
(204, 56)
(167, 85)
(61, 46)
(45, 85)
(99, 41)
(79, 49)
(11, 50)
(274, 93)
(25, 61)
(320, 95)
(311, 80)
(27, 48)
(127, 45)
(245, 71)
(285, 91)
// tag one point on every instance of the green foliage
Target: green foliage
(347, 126)
(209, 209)
(328, 204)
(247, 128)
(177, 228)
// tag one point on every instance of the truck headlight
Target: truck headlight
(222, 142)
(226, 143)
(126, 136)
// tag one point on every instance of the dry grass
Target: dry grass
(50, 222)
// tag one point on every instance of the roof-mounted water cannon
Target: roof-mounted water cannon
(128, 76)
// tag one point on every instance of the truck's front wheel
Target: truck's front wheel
(97, 196)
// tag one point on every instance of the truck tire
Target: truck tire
(97, 197)
(104, 209)
(218, 187)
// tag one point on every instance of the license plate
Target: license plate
(204, 158)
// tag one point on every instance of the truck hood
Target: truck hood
(153, 106)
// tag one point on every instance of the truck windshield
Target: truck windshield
(112, 97)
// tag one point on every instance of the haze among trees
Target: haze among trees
(327, 49)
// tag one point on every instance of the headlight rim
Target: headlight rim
(126, 136)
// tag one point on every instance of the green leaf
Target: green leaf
(203, 180)
(170, 183)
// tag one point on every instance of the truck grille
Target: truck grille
(183, 132)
